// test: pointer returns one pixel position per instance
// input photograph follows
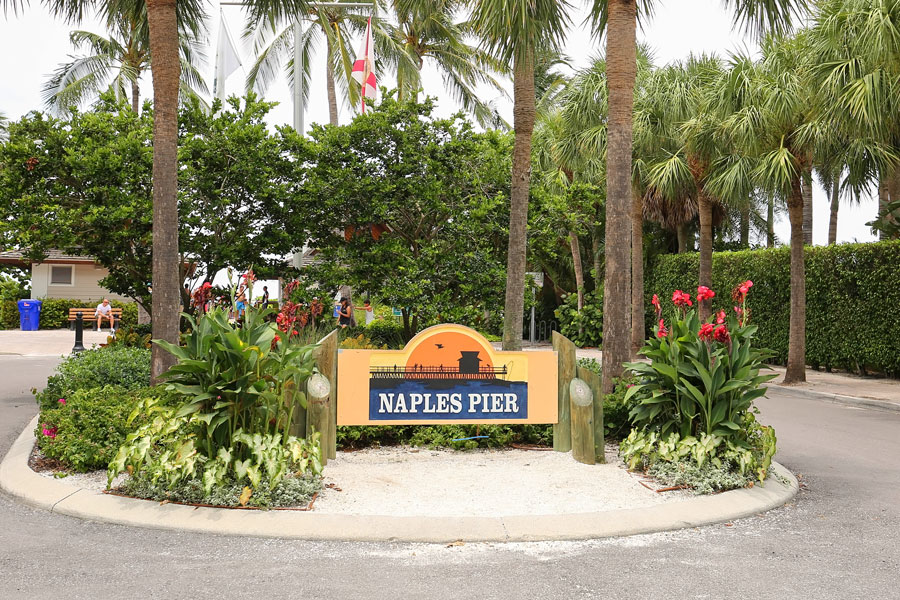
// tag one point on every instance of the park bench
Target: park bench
(87, 315)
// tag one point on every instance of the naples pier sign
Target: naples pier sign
(447, 373)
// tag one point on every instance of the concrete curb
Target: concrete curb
(855, 401)
(19, 481)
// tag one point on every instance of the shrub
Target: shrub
(584, 328)
(385, 332)
(851, 294)
(127, 336)
(9, 314)
(85, 432)
(449, 436)
(616, 409)
(360, 342)
(127, 368)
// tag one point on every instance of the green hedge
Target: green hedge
(55, 312)
(852, 295)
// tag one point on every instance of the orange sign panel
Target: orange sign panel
(446, 374)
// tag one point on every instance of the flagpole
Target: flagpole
(298, 52)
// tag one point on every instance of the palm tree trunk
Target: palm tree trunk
(329, 82)
(883, 200)
(579, 270)
(621, 69)
(745, 227)
(893, 193)
(835, 205)
(796, 365)
(595, 254)
(637, 272)
(135, 95)
(770, 223)
(807, 206)
(682, 233)
(165, 67)
(706, 244)
(523, 122)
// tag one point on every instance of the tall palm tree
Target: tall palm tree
(619, 18)
(116, 63)
(857, 52)
(514, 30)
(273, 41)
(427, 31)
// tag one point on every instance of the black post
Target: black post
(79, 334)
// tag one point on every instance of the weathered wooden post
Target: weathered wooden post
(318, 410)
(298, 418)
(593, 381)
(582, 400)
(326, 361)
(562, 430)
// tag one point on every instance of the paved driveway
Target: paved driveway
(840, 539)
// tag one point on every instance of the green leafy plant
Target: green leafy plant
(584, 328)
(86, 429)
(385, 332)
(444, 436)
(121, 366)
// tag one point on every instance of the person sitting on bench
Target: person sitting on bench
(104, 311)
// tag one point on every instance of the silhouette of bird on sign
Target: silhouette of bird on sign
(439, 346)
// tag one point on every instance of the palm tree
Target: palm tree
(426, 31)
(273, 41)
(857, 53)
(514, 30)
(117, 63)
(4, 126)
(619, 18)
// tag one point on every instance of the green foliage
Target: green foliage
(172, 449)
(126, 368)
(360, 342)
(851, 294)
(498, 436)
(707, 463)
(421, 227)
(584, 328)
(9, 314)
(616, 409)
(238, 378)
(693, 387)
(385, 332)
(129, 336)
(85, 433)
(290, 491)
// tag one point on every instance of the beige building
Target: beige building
(64, 276)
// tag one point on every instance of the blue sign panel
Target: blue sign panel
(447, 399)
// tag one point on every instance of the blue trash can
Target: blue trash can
(29, 314)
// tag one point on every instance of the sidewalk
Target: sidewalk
(46, 342)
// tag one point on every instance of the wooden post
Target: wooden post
(562, 430)
(582, 399)
(318, 411)
(593, 381)
(298, 418)
(326, 361)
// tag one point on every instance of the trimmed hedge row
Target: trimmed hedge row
(852, 295)
(55, 312)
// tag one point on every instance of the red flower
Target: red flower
(721, 334)
(704, 293)
(706, 332)
(720, 318)
(745, 287)
(680, 298)
(662, 331)
(655, 302)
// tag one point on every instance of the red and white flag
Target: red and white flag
(364, 67)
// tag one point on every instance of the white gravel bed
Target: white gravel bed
(407, 481)
(404, 481)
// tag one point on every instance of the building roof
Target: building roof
(18, 258)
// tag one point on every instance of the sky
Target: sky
(33, 44)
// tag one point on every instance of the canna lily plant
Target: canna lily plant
(701, 378)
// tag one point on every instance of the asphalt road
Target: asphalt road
(839, 539)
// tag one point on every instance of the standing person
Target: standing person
(370, 312)
(345, 313)
(240, 306)
(104, 311)
(265, 297)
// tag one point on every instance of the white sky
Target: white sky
(32, 44)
